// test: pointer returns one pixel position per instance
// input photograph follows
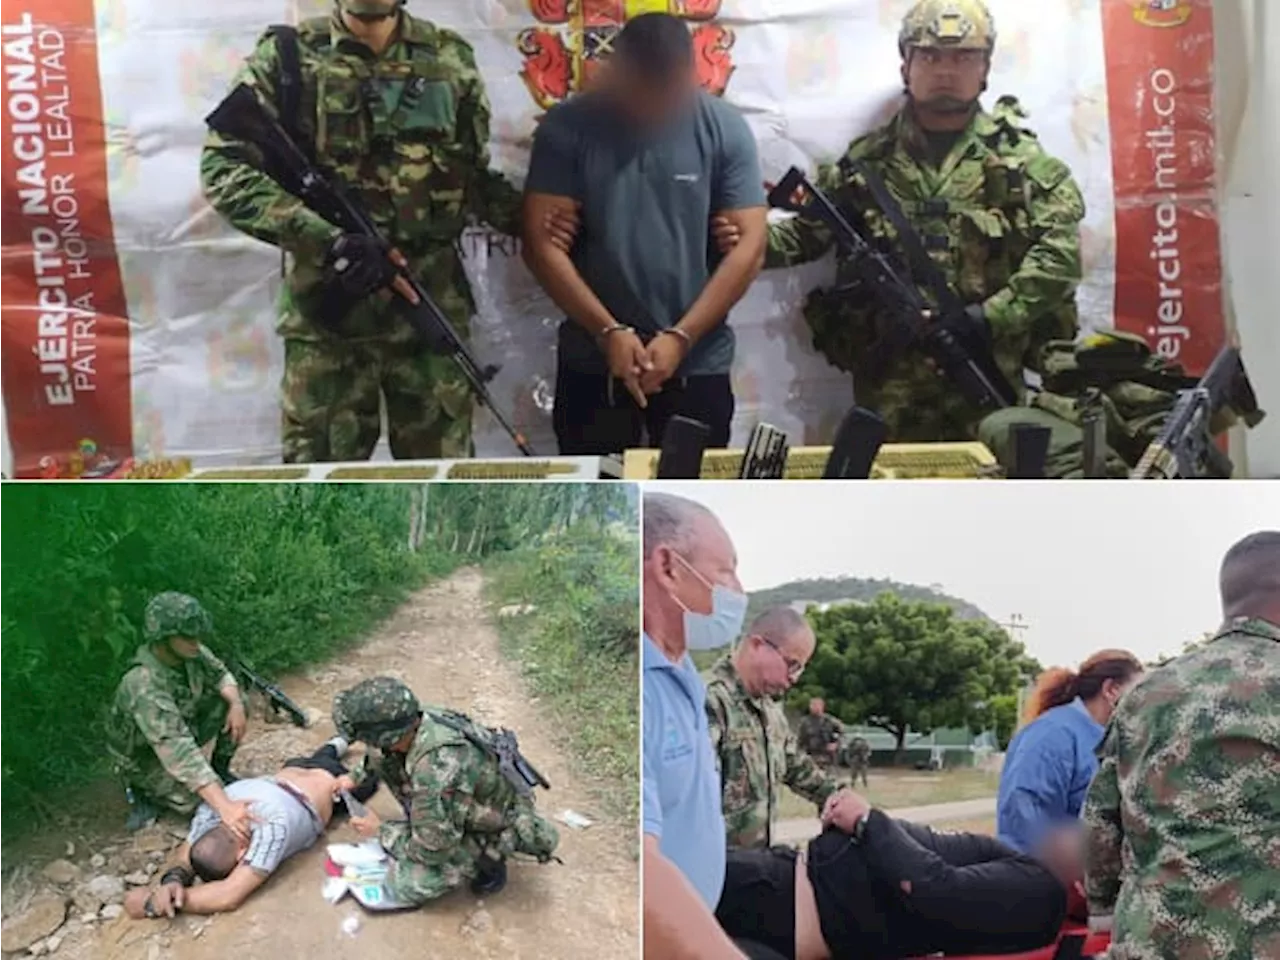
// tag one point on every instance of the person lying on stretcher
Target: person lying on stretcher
(878, 888)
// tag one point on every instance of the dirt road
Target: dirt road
(444, 645)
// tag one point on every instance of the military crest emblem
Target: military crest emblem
(576, 36)
(1162, 13)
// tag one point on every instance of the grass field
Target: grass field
(894, 789)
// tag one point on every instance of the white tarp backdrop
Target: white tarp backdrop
(203, 362)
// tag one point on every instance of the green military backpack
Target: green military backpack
(1114, 375)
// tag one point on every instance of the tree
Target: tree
(1004, 716)
(899, 666)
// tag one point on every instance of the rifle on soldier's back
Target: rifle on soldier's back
(243, 117)
(276, 698)
(1185, 446)
(943, 339)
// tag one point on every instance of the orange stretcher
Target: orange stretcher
(1073, 943)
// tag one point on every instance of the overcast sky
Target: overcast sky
(1087, 564)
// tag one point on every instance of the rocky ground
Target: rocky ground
(443, 644)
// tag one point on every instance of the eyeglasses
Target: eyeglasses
(794, 667)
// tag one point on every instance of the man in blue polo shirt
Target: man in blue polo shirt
(649, 158)
(692, 600)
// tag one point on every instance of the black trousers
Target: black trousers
(595, 415)
(757, 907)
(327, 759)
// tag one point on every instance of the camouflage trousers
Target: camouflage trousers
(412, 882)
(330, 401)
(857, 770)
(149, 779)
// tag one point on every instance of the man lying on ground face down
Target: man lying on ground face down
(288, 813)
(878, 888)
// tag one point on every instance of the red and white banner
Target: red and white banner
(1168, 286)
(65, 332)
(104, 220)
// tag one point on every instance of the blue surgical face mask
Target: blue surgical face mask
(720, 627)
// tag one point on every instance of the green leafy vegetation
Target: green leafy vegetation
(901, 665)
(291, 574)
(579, 644)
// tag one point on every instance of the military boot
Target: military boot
(490, 878)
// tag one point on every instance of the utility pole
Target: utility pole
(1015, 626)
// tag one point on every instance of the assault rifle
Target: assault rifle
(242, 116)
(501, 744)
(944, 338)
(277, 699)
(1185, 448)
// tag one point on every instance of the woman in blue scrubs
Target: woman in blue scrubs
(1051, 760)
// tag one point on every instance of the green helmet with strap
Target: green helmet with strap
(948, 25)
(170, 615)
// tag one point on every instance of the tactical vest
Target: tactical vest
(981, 237)
(390, 128)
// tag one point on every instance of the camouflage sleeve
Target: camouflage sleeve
(804, 776)
(218, 669)
(162, 725)
(1051, 270)
(1103, 831)
(491, 198)
(800, 240)
(717, 722)
(246, 197)
(442, 808)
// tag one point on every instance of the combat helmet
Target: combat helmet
(951, 24)
(378, 711)
(376, 9)
(172, 614)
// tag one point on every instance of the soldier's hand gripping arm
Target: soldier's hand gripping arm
(1051, 269)
(799, 239)
(246, 197)
(1104, 833)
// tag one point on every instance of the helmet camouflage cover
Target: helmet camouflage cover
(954, 24)
(378, 711)
(370, 8)
(175, 615)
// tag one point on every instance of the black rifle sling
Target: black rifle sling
(468, 727)
(288, 89)
(922, 266)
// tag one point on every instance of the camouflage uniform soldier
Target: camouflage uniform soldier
(464, 817)
(754, 745)
(396, 107)
(1183, 816)
(175, 697)
(857, 756)
(995, 212)
(819, 733)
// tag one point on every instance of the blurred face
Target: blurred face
(647, 102)
(817, 707)
(777, 665)
(947, 81)
(1062, 852)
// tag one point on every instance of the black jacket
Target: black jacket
(969, 893)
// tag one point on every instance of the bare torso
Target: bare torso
(316, 785)
(809, 942)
